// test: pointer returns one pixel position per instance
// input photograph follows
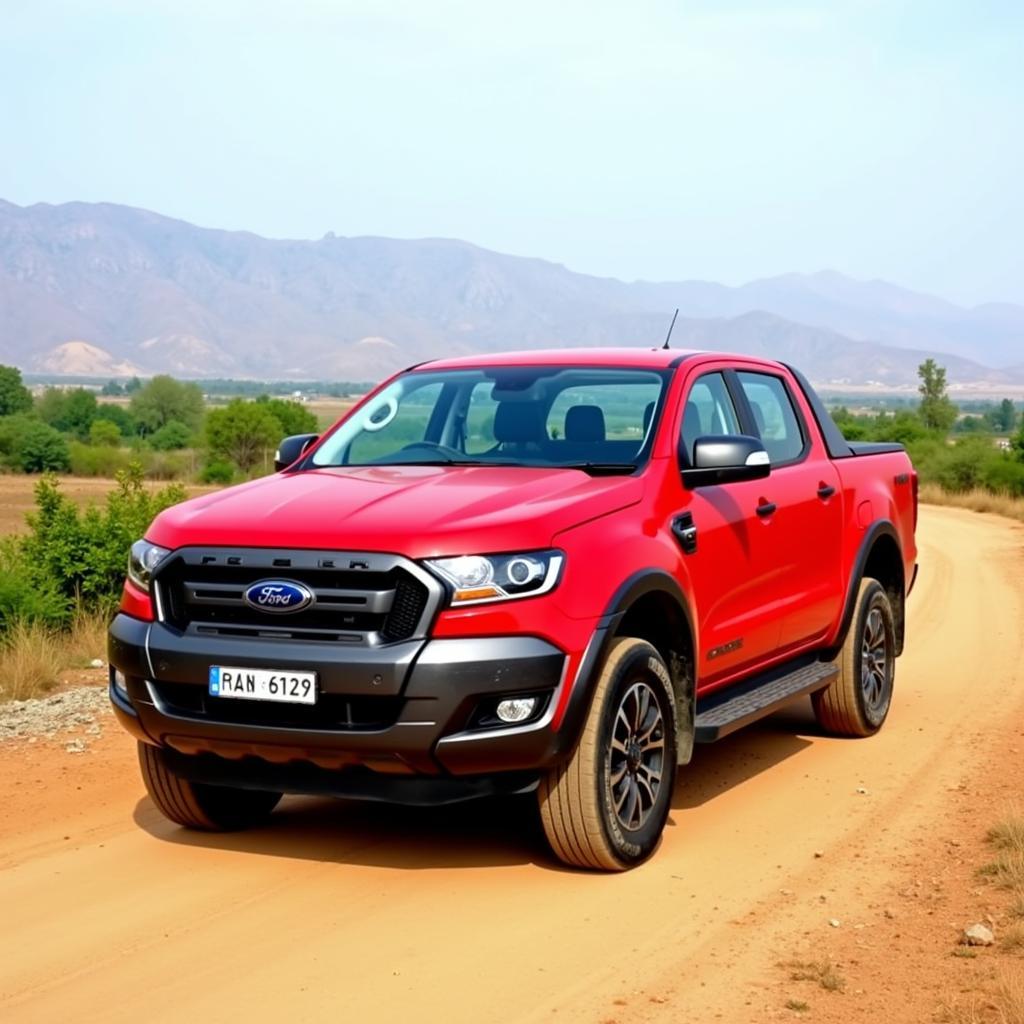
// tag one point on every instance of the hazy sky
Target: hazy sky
(663, 140)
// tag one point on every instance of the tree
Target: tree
(164, 399)
(936, 410)
(104, 433)
(294, 417)
(1004, 417)
(242, 431)
(119, 416)
(112, 387)
(69, 411)
(14, 396)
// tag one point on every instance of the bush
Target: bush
(82, 554)
(70, 411)
(91, 460)
(170, 436)
(293, 417)
(104, 433)
(217, 472)
(22, 598)
(118, 415)
(31, 446)
(30, 661)
(14, 396)
(242, 432)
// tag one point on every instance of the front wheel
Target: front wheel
(606, 807)
(198, 805)
(858, 699)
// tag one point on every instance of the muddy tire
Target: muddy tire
(857, 701)
(605, 808)
(197, 805)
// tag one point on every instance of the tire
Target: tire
(200, 806)
(857, 702)
(605, 808)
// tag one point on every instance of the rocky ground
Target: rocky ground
(76, 716)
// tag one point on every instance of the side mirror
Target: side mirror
(726, 459)
(291, 449)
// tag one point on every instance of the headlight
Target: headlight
(479, 578)
(144, 558)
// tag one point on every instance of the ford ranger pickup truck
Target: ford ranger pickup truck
(549, 571)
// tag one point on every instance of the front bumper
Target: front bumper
(431, 690)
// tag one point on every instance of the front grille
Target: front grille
(331, 713)
(357, 598)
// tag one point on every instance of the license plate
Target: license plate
(263, 684)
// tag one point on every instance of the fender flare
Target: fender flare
(635, 587)
(880, 528)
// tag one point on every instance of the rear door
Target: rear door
(804, 510)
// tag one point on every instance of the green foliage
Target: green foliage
(937, 411)
(293, 417)
(242, 432)
(31, 446)
(69, 411)
(14, 396)
(104, 433)
(97, 460)
(217, 472)
(165, 399)
(22, 598)
(118, 415)
(82, 554)
(133, 386)
(112, 387)
(172, 435)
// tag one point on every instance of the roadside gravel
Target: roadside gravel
(76, 716)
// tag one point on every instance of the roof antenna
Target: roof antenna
(670, 326)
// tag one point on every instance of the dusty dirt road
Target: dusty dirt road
(345, 912)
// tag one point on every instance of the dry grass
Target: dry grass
(1011, 940)
(976, 500)
(31, 658)
(1007, 870)
(821, 972)
(1005, 1005)
(86, 639)
(797, 1005)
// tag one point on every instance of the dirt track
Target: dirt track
(342, 912)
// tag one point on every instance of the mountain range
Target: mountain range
(106, 290)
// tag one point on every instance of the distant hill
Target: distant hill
(107, 289)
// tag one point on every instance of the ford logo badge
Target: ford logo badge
(277, 596)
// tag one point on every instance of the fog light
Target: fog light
(120, 683)
(518, 709)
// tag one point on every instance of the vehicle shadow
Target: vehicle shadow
(496, 832)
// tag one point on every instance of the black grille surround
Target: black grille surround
(363, 599)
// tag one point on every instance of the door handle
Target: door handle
(766, 508)
(685, 532)
(825, 492)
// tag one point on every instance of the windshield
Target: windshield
(594, 418)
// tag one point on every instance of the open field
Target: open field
(16, 495)
(800, 876)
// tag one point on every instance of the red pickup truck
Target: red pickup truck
(545, 571)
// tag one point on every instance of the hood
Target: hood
(417, 511)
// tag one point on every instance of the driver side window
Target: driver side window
(708, 411)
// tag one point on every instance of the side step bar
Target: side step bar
(733, 707)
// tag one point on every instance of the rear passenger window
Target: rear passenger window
(777, 422)
(708, 411)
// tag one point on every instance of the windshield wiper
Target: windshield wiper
(599, 468)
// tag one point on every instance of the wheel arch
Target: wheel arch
(649, 605)
(879, 557)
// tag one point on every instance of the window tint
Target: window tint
(774, 415)
(708, 411)
(388, 427)
(480, 420)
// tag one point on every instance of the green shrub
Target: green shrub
(22, 598)
(93, 460)
(118, 415)
(82, 553)
(104, 433)
(14, 396)
(242, 432)
(293, 417)
(31, 446)
(170, 436)
(217, 472)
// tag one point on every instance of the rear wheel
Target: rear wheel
(198, 805)
(606, 807)
(857, 701)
